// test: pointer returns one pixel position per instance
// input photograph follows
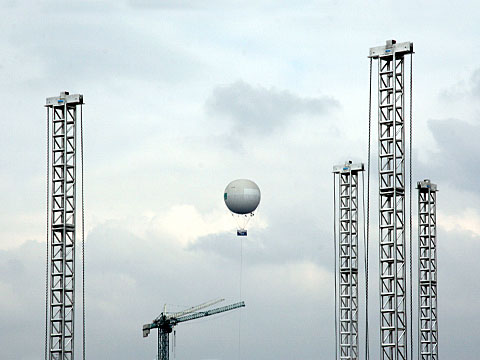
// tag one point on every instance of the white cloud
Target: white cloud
(157, 161)
(186, 224)
(467, 220)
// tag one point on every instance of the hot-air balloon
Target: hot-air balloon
(242, 197)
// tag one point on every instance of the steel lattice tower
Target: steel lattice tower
(427, 271)
(163, 349)
(348, 259)
(391, 164)
(63, 115)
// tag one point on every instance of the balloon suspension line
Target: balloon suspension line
(241, 225)
(248, 217)
(236, 220)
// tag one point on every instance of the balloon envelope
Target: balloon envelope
(242, 196)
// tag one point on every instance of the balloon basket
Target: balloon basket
(241, 232)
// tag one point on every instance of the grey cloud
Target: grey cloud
(126, 288)
(95, 55)
(120, 54)
(22, 283)
(258, 110)
(290, 238)
(457, 160)
(463, 88)
(130, 277)
(96, 49)
(458, 291)
(168, 4)
(475, 83)
(184, 4)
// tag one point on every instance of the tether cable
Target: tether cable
(240, 312)
(83, 231)
(241, 266)
(335, 264)
(410, 199)
(47, 233)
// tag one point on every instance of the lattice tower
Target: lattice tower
(391, 164)
(163, 344)
(63, 115)
(427, 271)
(348, 259)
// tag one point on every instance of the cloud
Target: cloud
(458, 290)
(463, 88)
(475, 83)
(130, 277)
(103, 48)
(22, 287)
(466, 220)
(174, 221)
(169, 4)
(261, 111)
(156, 167)
(279, 243)
(456, 161)
(189, 4)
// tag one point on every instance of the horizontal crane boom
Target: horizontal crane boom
(192, 309)
(165, 323)
(208, 312)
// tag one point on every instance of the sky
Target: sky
(181, 97)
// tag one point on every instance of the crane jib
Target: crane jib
(166, 324)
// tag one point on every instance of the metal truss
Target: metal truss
(391, 163)
(63, 110)
(163, 350)
(348, 259)
(427, 271)
(165, 323)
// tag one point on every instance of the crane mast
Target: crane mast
(63, 114)
(348, 259)
(427, 271)
(391, 167)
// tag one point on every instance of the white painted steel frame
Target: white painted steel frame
(348, 260)
(391, 164)
(63, 111)
(427, 271)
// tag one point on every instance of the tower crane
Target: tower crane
(165, 322)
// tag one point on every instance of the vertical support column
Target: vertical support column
(163, 350)
(348, 259)
(62, 248)
(427, 271)
(391, 165)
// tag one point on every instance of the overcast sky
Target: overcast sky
(183, 97)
